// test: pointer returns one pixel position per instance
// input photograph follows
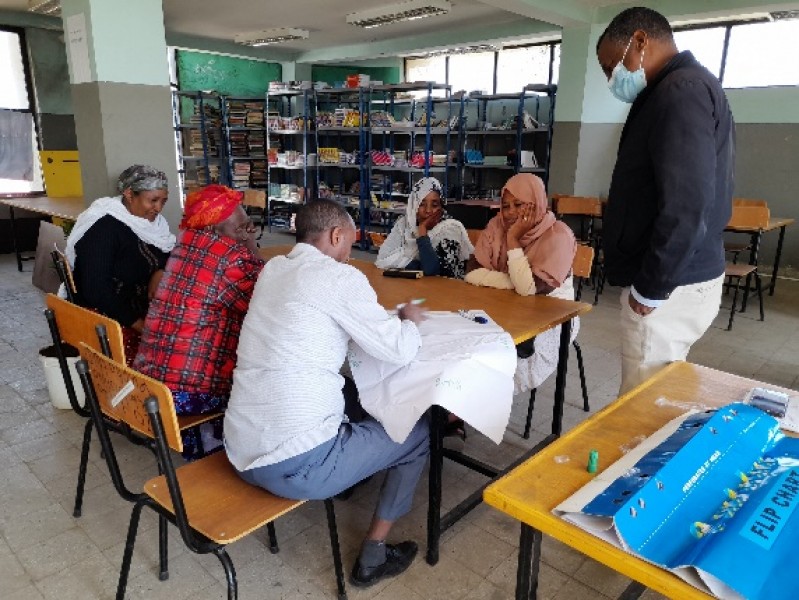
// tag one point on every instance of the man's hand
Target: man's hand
(430, 222)
(638, 308)
(412, 312)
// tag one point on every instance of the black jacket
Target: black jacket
(671, 193)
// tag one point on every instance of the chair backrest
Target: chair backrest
(583, 261)
(254, 198)
(120, 393)
(577, 205)
(77, 324)
(474, 235)
(748, 202)
(749, 217)
(64, 271)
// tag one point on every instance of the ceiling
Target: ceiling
(331, 38)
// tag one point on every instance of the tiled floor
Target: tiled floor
(46, 553)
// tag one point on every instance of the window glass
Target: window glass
(472, 71)
(13, 91)
(762, 54)
(516, 67)
(426, 69)
(555, 63)
(707, 45)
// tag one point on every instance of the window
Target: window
(759, 55)
(747, 60)
(14, 96)
(472, 71)
(706, 44)
(516, 67)
(511, 69)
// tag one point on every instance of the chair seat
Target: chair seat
(189, 421)
(735, 248)
(219, 504)
(738, 270)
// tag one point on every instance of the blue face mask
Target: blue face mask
(626, 85)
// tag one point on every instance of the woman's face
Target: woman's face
(510, 208)
(146, 204)
(430, 204)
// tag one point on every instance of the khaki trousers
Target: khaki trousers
(667, 333)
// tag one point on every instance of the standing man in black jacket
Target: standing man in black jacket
(671, 193)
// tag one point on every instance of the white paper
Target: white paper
(78, 48)
(463, 366)
(122, 394)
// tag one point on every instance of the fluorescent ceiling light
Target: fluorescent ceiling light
(781, 15)
(402, 11)
(45, 7)
(271, 36)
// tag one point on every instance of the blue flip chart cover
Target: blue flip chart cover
(718, 496)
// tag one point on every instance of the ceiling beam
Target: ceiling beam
(521, 29)
(692, 10)
(216, 46)
(563, 13)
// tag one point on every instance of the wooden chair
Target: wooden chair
(474, 235)
(64, 270)
(588, 210)
(735, 248)
(255, 202)
(206, 500)
(749, 217)
(581, 270)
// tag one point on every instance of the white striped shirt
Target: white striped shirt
(286, 397)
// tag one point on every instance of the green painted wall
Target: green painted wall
(227, 75)
(333, 73)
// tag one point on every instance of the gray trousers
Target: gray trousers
(357, 452)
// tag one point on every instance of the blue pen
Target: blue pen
(476, 319)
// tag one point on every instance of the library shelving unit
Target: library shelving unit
(410, 136)
(501, 135)
(290, 153)
(245, 134)
(199, 139)
(342, 146)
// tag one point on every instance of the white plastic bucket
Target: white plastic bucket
(55, 382)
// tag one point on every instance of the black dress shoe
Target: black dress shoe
(398, 559)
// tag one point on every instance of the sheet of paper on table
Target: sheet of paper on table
(711, 497)
(463, 366)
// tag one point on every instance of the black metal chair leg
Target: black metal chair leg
(331, 525)
(745, 301)
(230, 573)
(759, 286)
(529, 421)
(270, 530)
(130, 542)
(580, 367)
(734, 302)
(163, 552)
(84, 462)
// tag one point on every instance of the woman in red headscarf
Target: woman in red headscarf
(525, 248)
(192, 328)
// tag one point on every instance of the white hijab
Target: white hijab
(155, 232)
(400, 247)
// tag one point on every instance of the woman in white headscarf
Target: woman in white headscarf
(118, 249)
(426, 238)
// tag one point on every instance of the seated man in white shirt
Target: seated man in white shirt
(285, 426)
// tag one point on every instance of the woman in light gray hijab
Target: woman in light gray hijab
(119, 247)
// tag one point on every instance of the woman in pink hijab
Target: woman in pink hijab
(525, 248)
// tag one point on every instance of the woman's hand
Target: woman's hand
(430, 222)
(523, 222)
(152, 286)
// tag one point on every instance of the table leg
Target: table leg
(529, 561)
(14, 238)
(437, 417)
(753, 258)
(560, 379)
(776, 262)
(632, 591)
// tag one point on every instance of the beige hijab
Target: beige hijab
(549, 246)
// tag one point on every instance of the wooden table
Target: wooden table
(756, 235)
(523, 317)
(530, 492)
(64, 208)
